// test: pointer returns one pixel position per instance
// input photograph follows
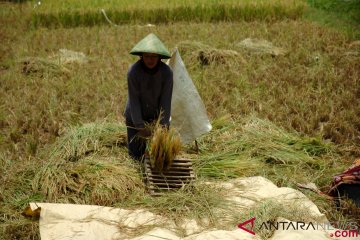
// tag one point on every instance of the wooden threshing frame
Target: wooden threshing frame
(179, 174)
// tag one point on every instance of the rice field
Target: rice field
(83, 13)
(289, 105)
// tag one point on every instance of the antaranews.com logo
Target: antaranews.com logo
(342, 229)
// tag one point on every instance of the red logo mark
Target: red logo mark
(241, 225)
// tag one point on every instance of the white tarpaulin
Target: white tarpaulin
(188, 113)
(85, 222)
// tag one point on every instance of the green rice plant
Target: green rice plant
(225, 165)
(273, 144)
(255, 146)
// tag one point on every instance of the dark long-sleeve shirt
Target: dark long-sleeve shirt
(148, 94)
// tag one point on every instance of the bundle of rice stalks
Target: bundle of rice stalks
(271, 144)
(207, 55)
(91, 137)
(80, 167)
(255, 146)
(226, 165)
(54, 64)
(92, 180)
(163, 147)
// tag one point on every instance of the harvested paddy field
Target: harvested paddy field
(282, 94)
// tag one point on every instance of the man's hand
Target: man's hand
(144, 133)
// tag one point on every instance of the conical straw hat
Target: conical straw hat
(151, 44)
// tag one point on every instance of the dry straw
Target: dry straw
(85, 166)
(207, 55)
(40, 66)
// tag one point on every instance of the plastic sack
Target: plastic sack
(188, 113)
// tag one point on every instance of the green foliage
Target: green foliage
(351, 8)
(16, 1)
(344, 15)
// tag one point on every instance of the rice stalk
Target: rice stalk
(163, 147)
(255, 146)
(89, 14)
(273, 144)
(196, 200)
(79, 170)
(79, 141)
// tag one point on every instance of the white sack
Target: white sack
(188, 114)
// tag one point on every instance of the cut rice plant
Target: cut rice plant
(273, 144)
(82, 140)
(253, 146)
(36, 65)
(163, 147)
(81, 168)
(224, 165)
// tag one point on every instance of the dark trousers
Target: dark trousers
(136, 144)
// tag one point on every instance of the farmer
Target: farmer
(150, 85)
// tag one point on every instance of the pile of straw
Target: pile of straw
(88, 138)
(88, 165)
(52, 65)
(207, 55)
(41, 66)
